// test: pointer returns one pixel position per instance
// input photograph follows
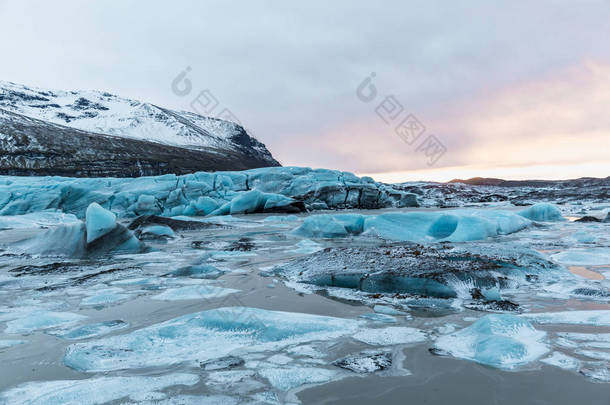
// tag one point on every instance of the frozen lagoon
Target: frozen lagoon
(214, 313)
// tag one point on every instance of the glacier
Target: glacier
(274, 189)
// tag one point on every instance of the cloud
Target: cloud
(289, 70)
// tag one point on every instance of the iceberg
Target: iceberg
(542, 212)
(99, 390)
(99, 222)
(502, 341)
(203, 336)
(99, 234)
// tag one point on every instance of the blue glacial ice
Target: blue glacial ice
(457, 226)
(99, 390)
(502, 341)
(542, 212)
(99, 222)
(273, 189)
(203, 336)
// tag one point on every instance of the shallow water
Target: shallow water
(134, 288)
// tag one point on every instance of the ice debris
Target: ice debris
(292, 377)
(502, 341)
(194, 292)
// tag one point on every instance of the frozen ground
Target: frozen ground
(312, 307)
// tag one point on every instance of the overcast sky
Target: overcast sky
(512, 89)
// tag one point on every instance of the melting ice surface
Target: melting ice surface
(145, 301)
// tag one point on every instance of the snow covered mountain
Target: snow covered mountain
(204, 143)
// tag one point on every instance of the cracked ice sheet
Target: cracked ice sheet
(206, 335)
(91, 391)
(595, 317)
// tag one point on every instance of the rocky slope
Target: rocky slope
(44, 132)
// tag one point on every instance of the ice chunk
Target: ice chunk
(307, 246)
(502, 341)
(542, 212)
(90, 330)
(157, 231)
(222, 363)
(322, 226)
(593, 317)
(288, 378)
(366, 362)
(41, 319)
(203, 336)
(105, 296)
(561, 360)
(198, 271)
(91, 391)
(376, 317)
(583, 257)
(395, 335)
(388, 310)
(99, 222)
(597, 373)
(194, 292)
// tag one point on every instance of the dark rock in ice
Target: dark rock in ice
(222, 363)
(366, 362)
(588, 218)
(241, 245)
(175, 224)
